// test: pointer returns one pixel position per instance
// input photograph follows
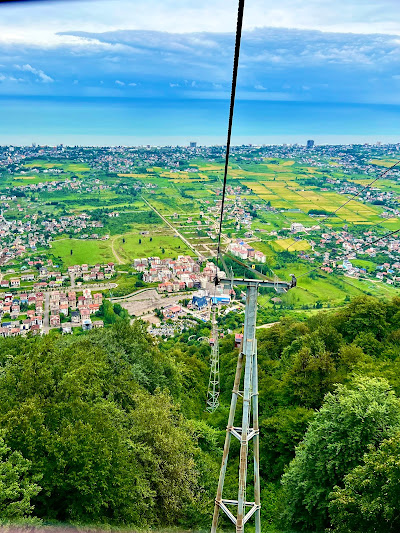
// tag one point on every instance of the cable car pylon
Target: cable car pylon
(213, 383)
(240, 510)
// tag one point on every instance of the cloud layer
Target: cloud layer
(276, 64)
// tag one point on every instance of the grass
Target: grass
(277, 181)
(83, 251)
(131, 249)
(66, 165)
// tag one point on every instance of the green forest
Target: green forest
(109, 428)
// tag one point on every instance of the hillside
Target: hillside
(109, 428)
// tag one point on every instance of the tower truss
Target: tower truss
(240, 510)
(213, 382)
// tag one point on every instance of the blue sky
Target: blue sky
(347, 51)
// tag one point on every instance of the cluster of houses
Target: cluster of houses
(24, 313)
(241, 249)
(96, 273)
(10, 312)
(173, 275)
(79, 310)
(46, 278)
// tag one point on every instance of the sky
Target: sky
(292, 50)
(309, 68)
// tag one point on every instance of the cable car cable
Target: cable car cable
(231, 108)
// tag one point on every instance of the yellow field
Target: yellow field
(295, 246)
(383, 162)
(284, 163)
(284, 193)
(134, 176)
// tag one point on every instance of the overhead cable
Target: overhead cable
(231, 108)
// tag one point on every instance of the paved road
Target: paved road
(46, 317)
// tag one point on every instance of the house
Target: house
(23, 298)
(98, 298)
(75, 317)
(64, 309)
(238, 339)
(85, 313)
(26, 324)
(66, 330)
(87, 293)
(55, 321)
(27, 277)
(4, 332)
(35, 329)
(172, 311)
(199, 301)
(98, 324)
(15, 331)
(86, 324)
(93, 308)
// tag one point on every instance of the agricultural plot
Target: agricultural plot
(384, 162)
(290, 244)
(275, 191)
(289, 195)
(67, 165)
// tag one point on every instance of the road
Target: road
(117, 257)
(46, 317)
(199, 255)
(267, 326)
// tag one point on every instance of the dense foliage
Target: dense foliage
(109, 427)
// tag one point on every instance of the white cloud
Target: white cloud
(132, 84)
(120, 83)
(357, 16)
(260, 87)
(41, 76)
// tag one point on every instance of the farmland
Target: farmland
(96, 209)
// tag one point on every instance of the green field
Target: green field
(279, 192)
(66, 165)
(83, 251)
(131, 249)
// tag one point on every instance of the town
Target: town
(120, 222)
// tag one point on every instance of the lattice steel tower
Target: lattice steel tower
(239, 510)
(213, 383)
